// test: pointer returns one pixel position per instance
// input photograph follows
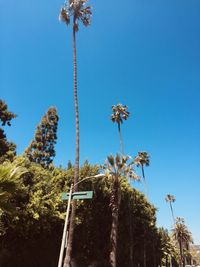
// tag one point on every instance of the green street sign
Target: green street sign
(78, 195)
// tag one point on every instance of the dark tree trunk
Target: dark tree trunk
(144, 254)
(131, 238)
(68, 256)
(181, 253)
(114, 203)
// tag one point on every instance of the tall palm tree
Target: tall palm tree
(115, 168)
(79, 12)
(120, 113)
(183, 237)
(141, 160)
(170, 198)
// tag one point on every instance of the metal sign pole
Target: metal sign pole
(65, 229)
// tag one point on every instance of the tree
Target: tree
(167, 249)
(120, 113)
(10, 180)
(170, 198)
(183, 237)
(41, 150)
(7, 149)
(115, 168)
(35, 226)
(141, 160)
(79, 12)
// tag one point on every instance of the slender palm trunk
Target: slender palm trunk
(170, 203)
(114, 203)
(68, 256)
(120, 139)
(144, 179)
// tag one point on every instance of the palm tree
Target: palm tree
(170, 198)
(120, 113)
(141, 160)
(79, 13)
(9, 179)
(183, 237)
(115, 168)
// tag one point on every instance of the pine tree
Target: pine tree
(41, 150)
(7, 149)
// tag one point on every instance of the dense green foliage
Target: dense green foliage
(41, 150)
(32, 234)
(7, 149)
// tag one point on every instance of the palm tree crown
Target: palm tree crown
(120, 113)
(170, 198)
(79, 12)
(119, 166)
(142, 159)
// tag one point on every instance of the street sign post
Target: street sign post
(70, 196)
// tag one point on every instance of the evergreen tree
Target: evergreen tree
(41, 150)
(7, 149)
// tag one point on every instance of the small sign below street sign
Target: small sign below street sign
(78, 195)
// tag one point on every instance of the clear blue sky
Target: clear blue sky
(144, 54)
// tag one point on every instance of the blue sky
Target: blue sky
(144, 54)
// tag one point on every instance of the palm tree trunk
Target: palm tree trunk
(114, 203)
(131, 237)
(181, 253)
(172, 212)
(120, 139)
(144, 255)
(144, 180)
(68, 256)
